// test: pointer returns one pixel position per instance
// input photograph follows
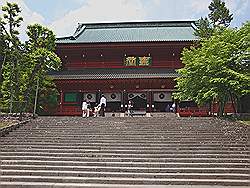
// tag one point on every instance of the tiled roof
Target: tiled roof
(118, 73)
(132, 32)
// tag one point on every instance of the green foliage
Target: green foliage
(219, 14)
(41, 57)
(23, 64)
(204, 28)
(48, 99)
(40, 37)
(219, 69)
(11, 21)
(10, 51)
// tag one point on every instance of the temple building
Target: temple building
(124, 61)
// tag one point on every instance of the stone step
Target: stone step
(121, 130)
(124, 174)
(132, 137)
(122, 140)
(128, 159)
(121, 180)
(7, 147)
(126, 124)
(86, 144)
(124, 150)
(131, 154)
(158, 153)
(86, 185)
(71, 151)
(126, 132)
(243, 170)
(127, 142)
(145, 136)
(128, 164)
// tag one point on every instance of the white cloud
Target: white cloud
(99, 11)
(157, 2)
(124, 10)
(29, 16)
(200, 6)
(237, 7)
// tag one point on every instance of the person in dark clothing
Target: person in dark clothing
(103, 102)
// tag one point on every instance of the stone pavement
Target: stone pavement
(126, 152)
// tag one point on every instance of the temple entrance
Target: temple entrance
(139, 100)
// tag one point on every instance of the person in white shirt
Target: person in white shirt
(97, 110)
(173, 107)
(88, 108)
(130, 108)
(84, 108)
(103, 103)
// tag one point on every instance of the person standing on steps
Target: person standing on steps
(96, 109)
(103, 103)
(130, 108)
(88, 108)
(167, 109)
(173, 107)
(84, 108)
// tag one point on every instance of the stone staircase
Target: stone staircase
(126, 152)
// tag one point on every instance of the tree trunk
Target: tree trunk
(233, 103)
(221, 108)
(31, 80)
(2, 65)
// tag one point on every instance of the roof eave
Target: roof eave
(115, 42)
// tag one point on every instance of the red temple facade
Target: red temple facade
(124, 61)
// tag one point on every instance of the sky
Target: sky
(62, 16)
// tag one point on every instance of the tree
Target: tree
(40, 57)
(11, 50)
(40, 37)
(48, 100)
(25, 63)
(204, 28)
(2, 51)
(218, 69)
(219, 16)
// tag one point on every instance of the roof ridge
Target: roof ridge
(137, 24)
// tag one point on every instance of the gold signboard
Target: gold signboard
(130, 61)
(138, 61)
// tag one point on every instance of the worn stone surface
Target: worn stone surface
(126, 152)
